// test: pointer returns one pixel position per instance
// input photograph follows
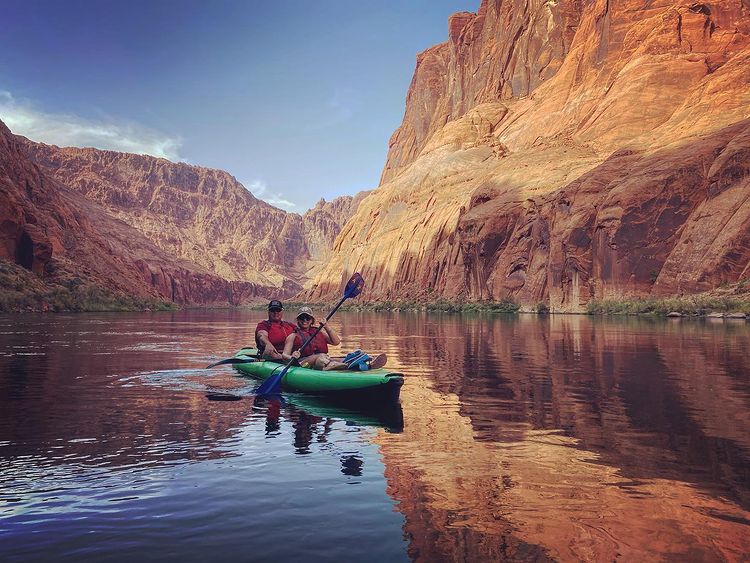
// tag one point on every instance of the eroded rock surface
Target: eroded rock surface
(617, 168)
(55, 231)
(199, 214)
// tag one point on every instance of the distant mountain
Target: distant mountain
(58, 234)
(147, 226)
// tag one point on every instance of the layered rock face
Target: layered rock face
(232, 247)
(202, 215)
(505, 50)
(600, 151)
(56, 232)
(322, 224)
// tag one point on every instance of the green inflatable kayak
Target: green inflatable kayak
(376, 385)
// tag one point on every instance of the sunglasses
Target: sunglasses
(304, 318)
(275, 310)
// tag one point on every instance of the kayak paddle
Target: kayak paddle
(234, 360)
(271, 385)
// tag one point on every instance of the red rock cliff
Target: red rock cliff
(505, 50)
(322, 224)
(618, 168)
(56, 232)
(203, 216)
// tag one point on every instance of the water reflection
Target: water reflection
(571, 437)
(518, 438)
(313, 419)
(109, 418)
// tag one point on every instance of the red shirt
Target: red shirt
(277, 333)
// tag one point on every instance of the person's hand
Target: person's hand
(295, 354)
(322, 322)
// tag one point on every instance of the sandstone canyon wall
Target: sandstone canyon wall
(148, 227)
(59, 234)
(203, 215)
(560, 152)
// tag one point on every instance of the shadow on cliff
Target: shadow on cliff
(670, 221)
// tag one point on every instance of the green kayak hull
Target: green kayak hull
(375, 385)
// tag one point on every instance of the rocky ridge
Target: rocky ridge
(565, 152)
(200, 214)
(146, 226)
(59, 234)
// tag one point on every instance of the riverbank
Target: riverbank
(22, 291)
(730, 301)
(716, 303)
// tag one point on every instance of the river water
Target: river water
(518, 438)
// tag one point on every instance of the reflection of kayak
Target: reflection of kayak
(383, 415)
(372, 386)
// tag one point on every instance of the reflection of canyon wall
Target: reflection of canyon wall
(571, 439)
(565, 151)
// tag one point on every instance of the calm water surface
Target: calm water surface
(518, 438)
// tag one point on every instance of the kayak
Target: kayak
(375, 385)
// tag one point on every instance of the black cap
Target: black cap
(275, 304)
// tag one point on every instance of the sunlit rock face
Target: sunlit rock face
(56, 232)
(505, 50)
(564, 152)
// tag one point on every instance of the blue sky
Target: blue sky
(296, 99)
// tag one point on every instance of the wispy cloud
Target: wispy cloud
(260, 190)
(344, 103)
(69, 130)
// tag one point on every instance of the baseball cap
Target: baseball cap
(275, 304)
(305, 311)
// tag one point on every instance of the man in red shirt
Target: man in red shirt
(270, 335)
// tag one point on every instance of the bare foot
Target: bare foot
(379, 361)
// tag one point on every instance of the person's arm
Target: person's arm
(262, 336)
(333, 338)
(287, 354)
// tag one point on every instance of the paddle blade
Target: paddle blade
(222, 397)
(272, 385)
(235, 360)
(354, 286)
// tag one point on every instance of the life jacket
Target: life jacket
(277, 333)
(318, 345)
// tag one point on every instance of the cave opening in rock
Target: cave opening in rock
(25, 251)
